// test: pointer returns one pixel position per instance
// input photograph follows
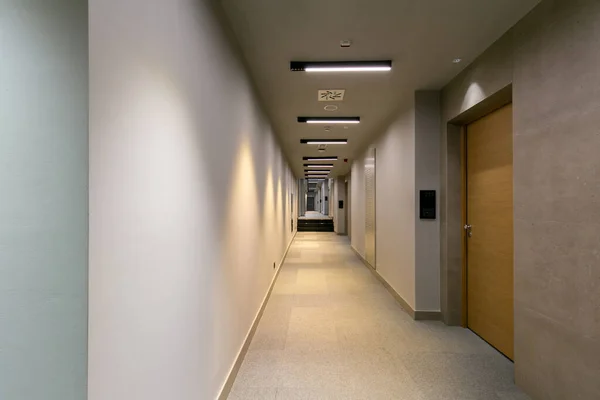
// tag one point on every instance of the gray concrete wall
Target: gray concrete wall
(43, 199)
(488, 75)
(427, 177)
(551, 58)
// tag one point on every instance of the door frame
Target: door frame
(463, 206)
(453, 206)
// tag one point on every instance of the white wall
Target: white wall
(395, 202)
(325, 198)
(339, 215)
(189, 201)
(408, 160)
(43, 199)
(358, 207)
(395, 205)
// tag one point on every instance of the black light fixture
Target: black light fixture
(341, 66)
(326, 158)
(329, 120)
(318, 165)
(324, 141)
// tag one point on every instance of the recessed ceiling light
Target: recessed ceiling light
(341, 66)
(314, 176)
(457, 60)
(331, 107)
(329, 120)
(318, 165)
(324, 141)
(328, 158)
(315, 171)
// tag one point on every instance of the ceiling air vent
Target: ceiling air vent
(332, 95)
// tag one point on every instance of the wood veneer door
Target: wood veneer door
(490, 294)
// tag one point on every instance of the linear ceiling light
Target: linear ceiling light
(342, 66)
(318, 165)
(316, 171)
(328, 158)
(329, 120)
(324, 141)
(315, 176)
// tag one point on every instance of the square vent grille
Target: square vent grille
(332, 95)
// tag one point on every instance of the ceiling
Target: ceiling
(421, 37)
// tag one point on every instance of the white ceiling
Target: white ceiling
(421, 37)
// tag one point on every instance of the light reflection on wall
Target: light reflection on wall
(474, 95)
(269, 220)
(240, 248)
(280, 224)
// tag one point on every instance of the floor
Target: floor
(331, 331)
(315, 215)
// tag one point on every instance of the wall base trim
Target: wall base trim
(228, 385)
(416, 315)
(428, 315)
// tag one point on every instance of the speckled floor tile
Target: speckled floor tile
(249, 393)
(332, 331)
(515, 394)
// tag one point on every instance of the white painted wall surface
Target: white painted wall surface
(395, 202)
(339, 216)
(188, 200)
(407, 248)
(43, 199)
(357, 221)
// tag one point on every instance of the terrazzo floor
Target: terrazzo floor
(314, 215)
(332, 331)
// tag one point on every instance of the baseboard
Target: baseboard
(228, 385)
(416, 315)
(428, 315)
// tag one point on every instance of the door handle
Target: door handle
(469, 230)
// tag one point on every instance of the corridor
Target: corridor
(332, 331)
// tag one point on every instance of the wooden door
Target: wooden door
(489, 165)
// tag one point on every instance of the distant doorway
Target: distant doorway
(310, 204)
